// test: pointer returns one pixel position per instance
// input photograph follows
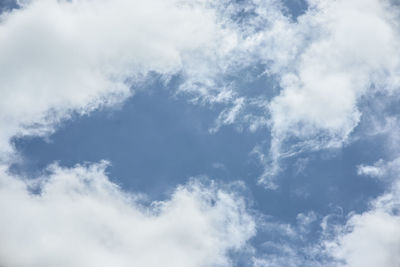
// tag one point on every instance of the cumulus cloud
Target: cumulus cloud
(351, 49)
(326, 61)
(59, 57)
(77, 217)
(371, 238)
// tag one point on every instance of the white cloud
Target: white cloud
(334, 54)
(373, 171)
(77, 217)
(381, 169)
(228, 116)
(58, 57)
(373, 241)
(376, 170)
(291, 244)
(371, 238)
(367, 239)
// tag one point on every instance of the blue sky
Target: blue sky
(154, 128)
(278, 148)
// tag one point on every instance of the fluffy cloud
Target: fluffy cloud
(373, 240)
(59, 57)
(326, 61)
(373, 237)
(77, 217)
(351, 49)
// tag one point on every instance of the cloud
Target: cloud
(367, 238)
(291, 244)
(371, 238)
(228, 116)
(77, 217)
(381, 170)
(373, 171)
(64, 57)
(342, 60)
(358, 239)
(326, 61)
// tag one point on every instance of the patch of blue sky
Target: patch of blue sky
(296, 7)
(7, 5)
(156, 141)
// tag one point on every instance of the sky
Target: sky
(199, 133)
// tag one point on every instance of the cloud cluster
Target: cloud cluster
(77, 217)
